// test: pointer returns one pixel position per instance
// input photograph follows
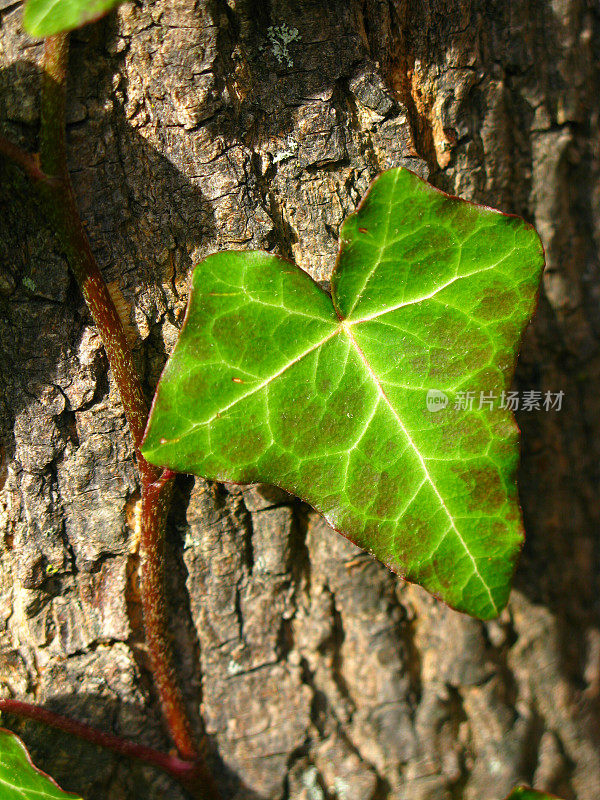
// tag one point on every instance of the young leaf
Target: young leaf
(525, 793)
(47, 17)
(271, 381)
(19, 778)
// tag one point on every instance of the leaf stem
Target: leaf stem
(61, 207)
(183, 771)
(53, 134)
(60, 203)
(26, 161)
(156, 500)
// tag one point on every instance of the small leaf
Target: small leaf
(273, 381)
(47, 17)
(525, 793)
(20, 779)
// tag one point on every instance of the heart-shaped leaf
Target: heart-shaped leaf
(19, 778)
(273, 382)
(47, 17)
(525, 793)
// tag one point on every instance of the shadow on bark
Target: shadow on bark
(44, 325)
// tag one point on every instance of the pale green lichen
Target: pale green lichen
(280, 36)
(233, 668)
(289, 152)
(310, 779)
(342, 788)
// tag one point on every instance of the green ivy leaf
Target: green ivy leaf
(525, 793)
(273, 382)
(20, 779)
(47, 17)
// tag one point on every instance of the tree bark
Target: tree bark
(195, 127)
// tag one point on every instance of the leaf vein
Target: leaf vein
(255, 389)
(421, 459)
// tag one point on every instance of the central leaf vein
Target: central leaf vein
(419, 455)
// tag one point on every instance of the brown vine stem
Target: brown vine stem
(183, 771)
(51, 176)
(28, 163)
(60, 205)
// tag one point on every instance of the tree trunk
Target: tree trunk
(197, 127)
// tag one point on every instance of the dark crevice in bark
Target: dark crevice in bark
(299, 559)
(457, 716)
(531, 750)
(413, 661)
(395, 51)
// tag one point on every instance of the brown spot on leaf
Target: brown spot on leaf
(485, 488)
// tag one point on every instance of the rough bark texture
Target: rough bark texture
(192, 128)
